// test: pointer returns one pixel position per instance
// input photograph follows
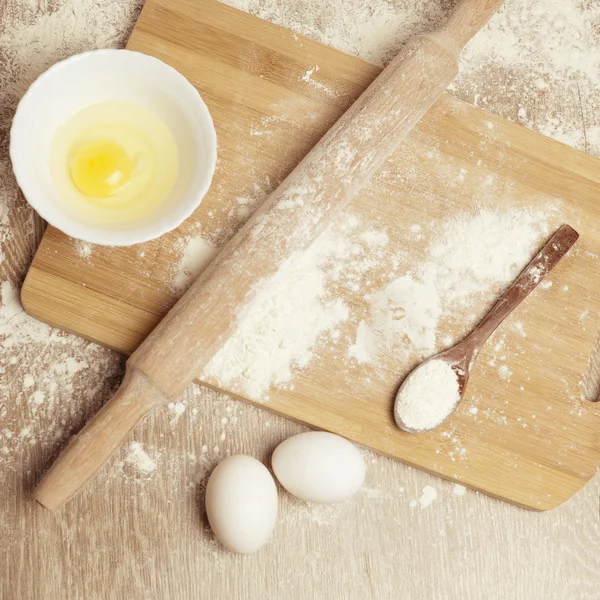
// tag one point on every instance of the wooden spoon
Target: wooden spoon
(462, 357)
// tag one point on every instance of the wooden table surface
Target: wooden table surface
(139, 530)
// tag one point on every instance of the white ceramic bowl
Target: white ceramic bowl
(93, 77)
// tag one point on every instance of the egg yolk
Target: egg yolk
(101, 168)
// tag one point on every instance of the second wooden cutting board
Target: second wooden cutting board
(524, 434)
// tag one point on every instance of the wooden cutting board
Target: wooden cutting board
(530, 439)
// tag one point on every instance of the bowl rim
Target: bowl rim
(105, 236)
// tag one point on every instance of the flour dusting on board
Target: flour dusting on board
(405, 313)
(198, 253)
(548, 47)
(282, 323)
(84, 249)
(284, 327)
(469, 256)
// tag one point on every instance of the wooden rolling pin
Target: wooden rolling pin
(178, 350)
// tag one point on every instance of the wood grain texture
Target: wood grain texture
(137, 538)
(248, 70)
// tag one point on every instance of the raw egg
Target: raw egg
(114, 164)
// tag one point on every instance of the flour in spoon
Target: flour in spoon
(427, 396)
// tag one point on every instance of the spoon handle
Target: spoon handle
(548, 257)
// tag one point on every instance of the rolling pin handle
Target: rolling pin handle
(97, 441)
(466, 20)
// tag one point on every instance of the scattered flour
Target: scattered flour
(282, 324)
(84, 249)
(428, 496)
(249, 202)
(307, 78)
(308, 73)
(197, 255)
(176, 409)
(43, 406)
(473, 253)
(37, 397)
(521, 66)
(520, 328)
(459, 490)
(469, 256)
(374, 238)
(139, 459)
(374, 31)
(295, 310)
(429, 394)
(504, 373)
(405, 313)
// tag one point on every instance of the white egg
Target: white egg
(241, 503)
(319, 467)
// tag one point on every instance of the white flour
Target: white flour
(139, 459)
(404, 314)
(469, 255)
(459, 490)
(428, 496)
(84, 249)
(296, 310)
(427, 396)
(553, 38)
(504, 373)
(473, 253)
(282, 323)
(197, 255)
